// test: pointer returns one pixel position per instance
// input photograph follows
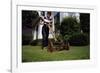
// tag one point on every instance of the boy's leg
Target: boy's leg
(43, 37)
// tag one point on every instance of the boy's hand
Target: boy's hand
(55, 39)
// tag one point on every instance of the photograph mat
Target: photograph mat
(56, 64)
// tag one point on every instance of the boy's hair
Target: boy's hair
(49, 13)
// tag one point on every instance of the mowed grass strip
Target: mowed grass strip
(36, 54)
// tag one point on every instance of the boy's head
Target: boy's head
(49, 14)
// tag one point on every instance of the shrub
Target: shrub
(66, 37)
(69, 25)
(34, 42)
(79, 39)
(26, 39)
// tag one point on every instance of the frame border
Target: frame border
(93, 8)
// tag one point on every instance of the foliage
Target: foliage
(26, 39)
(28, 23)
(79, 39)
(69, 25)
(67, 37)
(27, 17)
(85, 22)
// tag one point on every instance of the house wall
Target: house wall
(41, 25)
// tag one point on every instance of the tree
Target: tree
(29, 20)
(69, 25)
(85, 22)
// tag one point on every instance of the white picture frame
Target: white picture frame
(17, 65)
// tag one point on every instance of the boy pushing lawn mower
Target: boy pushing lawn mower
(48, 42)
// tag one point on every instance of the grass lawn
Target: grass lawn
(35, 54)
